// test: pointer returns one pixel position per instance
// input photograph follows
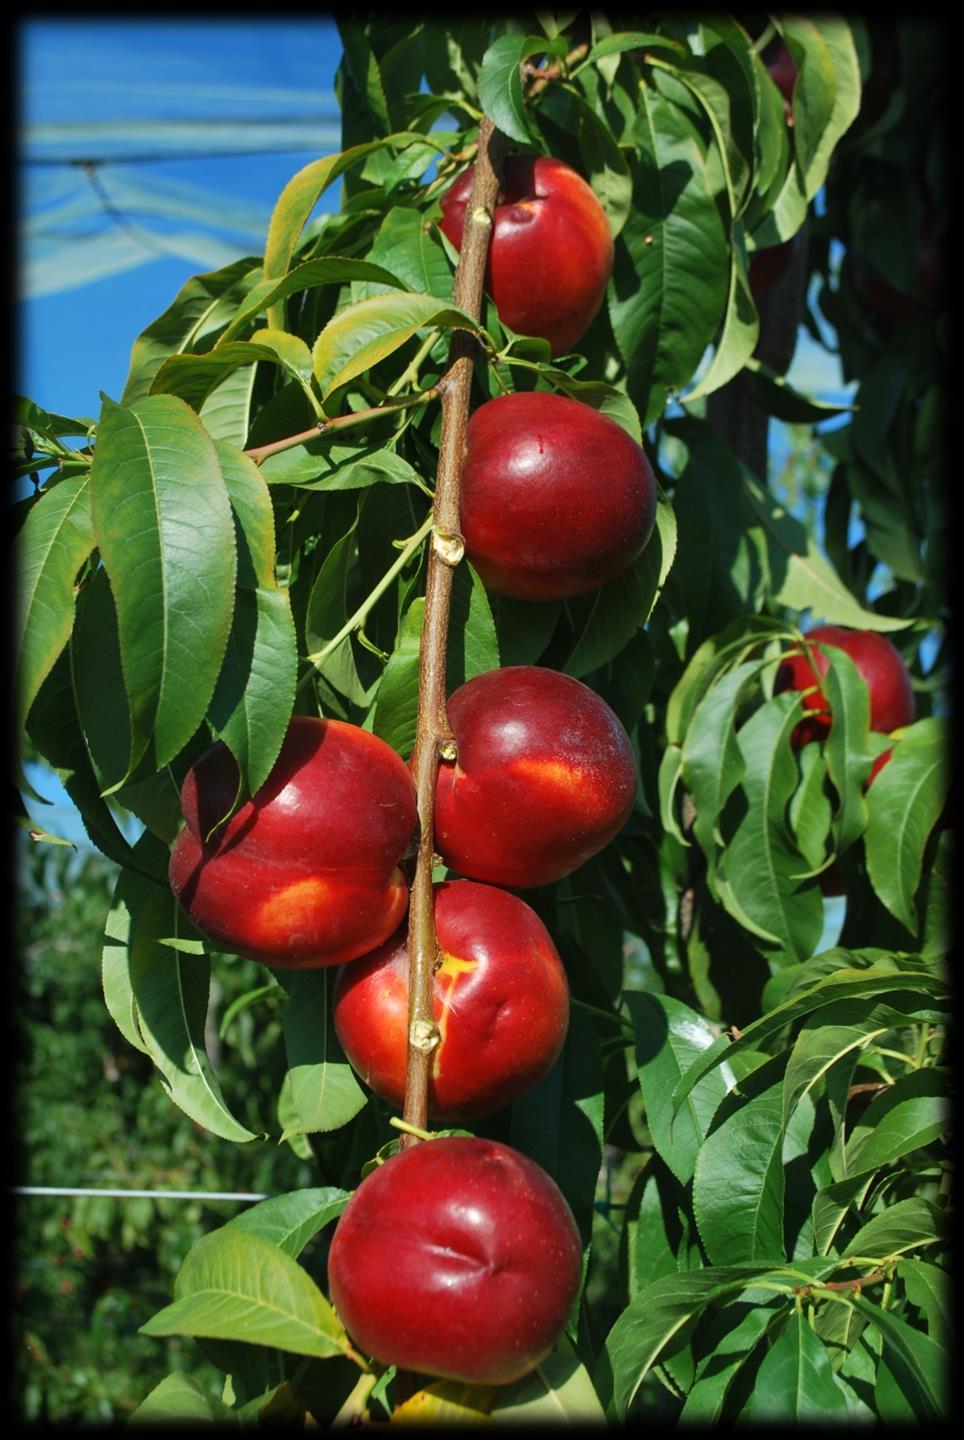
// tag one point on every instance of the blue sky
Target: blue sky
(273, 80)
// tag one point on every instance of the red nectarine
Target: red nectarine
(458, 1258)
(877, 660)
(551, 252)
(500, 996)
(545, 777)
(556, 497)
(307, 872)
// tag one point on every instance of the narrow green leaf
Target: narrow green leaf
(929, 1288)
(904, 804)
(255, 691)
(159, 999)
(847, 748)
(361, 335)
(326, 615)
(163, 525)
(396, 700)
(756, 872)
(742, 1328)
(234, 1285)
(290, 1221)
(326, 270)
(179, 1397)
(669, 284)
(300, 196)
(473, 646)
(195, 377)
(669, 1037)
(919, 1364)
(558, 1392)
(411, 248)
(53, 543)
(500, 83)
(908, 1114)
(795, 1382)
(905, 1225)
(204, 304)
(738, 1183)
(324, 1091)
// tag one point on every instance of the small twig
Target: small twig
(340, 422)
(838, 1285)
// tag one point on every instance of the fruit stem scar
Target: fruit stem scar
(448, 545)
(423, 1035)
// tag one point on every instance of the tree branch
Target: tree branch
(433, 739)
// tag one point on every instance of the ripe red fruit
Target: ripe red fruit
(782, 67)
(545, 777)
(551, 253)
(556, 497)
(877, 661)
(769, 265)
(500, 998)
(306, 873)
(457, 1258)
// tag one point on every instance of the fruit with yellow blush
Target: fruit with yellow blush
(306, 873)
(544, 777)
(500, 1000)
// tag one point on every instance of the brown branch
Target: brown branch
(340, 422)
(433, 738)
(856, 1285)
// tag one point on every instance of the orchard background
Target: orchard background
(749, 1122)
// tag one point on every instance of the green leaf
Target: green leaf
(54, 541)
(800, 576)
(255, 691)
(668, 288)
(824, 1039)
(326, 615)
(919, 1364)
(300, 196)
(54, 727)
(179, 1397)
(320, 465)
(557, 1392)
(712, 760)
(396, 701)
(195, 377)
(905, 1225)
(908, 1114)
(810, 813)
(473, 646)
(738, 1183)
(234, 1285)
(158, 997)
(200, 307)
(669, 1036)
(500, 83)
(411, 247)
(660, 1318)
(826, 96)
(884, 975)
(795, 1382)
(290, 1221)
(165, 533)
(326, 270)
(722, 1358)
(559, 1122)
(361, 335)
(524, 627)
(774, 394)
(324, 1091)
(929, 1288)
(226, 413)
(904, 804)
(755, 874)
(849, 757)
